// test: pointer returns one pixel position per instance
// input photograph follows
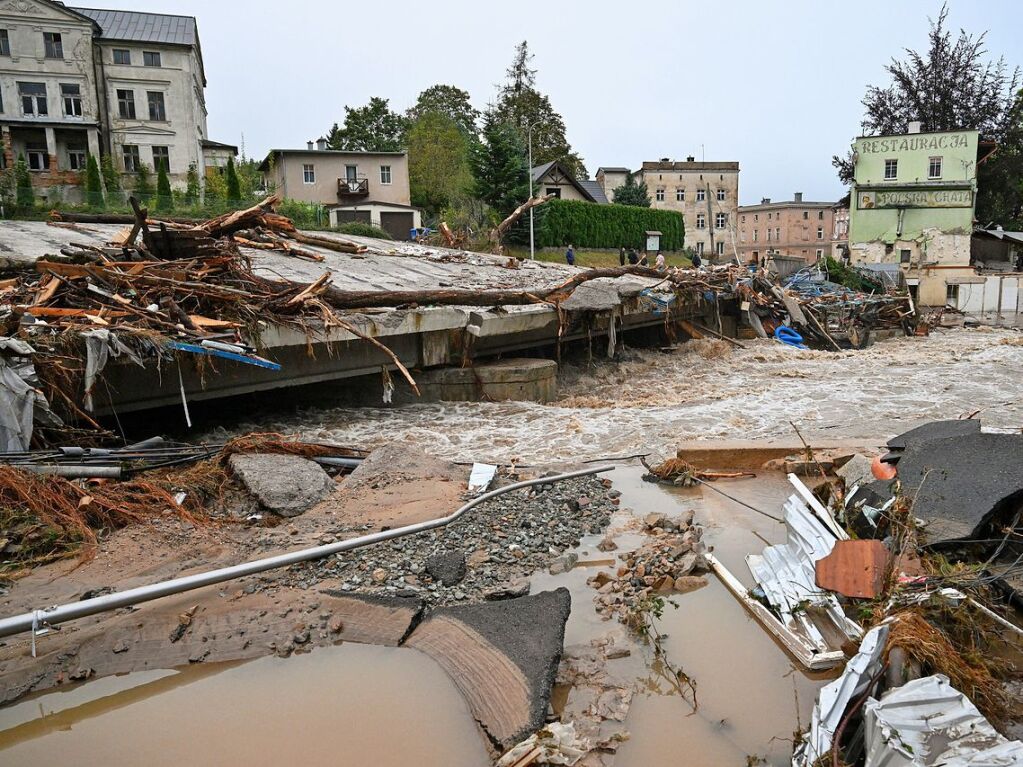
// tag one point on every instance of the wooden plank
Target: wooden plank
(854, 569)
(50, 311)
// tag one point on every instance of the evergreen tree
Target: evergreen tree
(522, 105)
(111, 180)
(234, 190)
(499, 166)
(164, 195)
(24, 196)
(144, 184)
(192, 185)
(631, 193)
(93, 183)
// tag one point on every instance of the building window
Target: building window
(71, 95)
(720, 220)
(161, 158)
(5, 43)
(308, 174)
(701, 221)
(699, 248)
(891, 169)
(756, 235)
(820, 232)
(820, 253)
(157, 110)
(952, 295)
(768, 234)
(659, 195)
(33, 99)
(122, 56)
(820, 215)
(54, 45)
(721, 195)
(806, 215)
(904, 256)
(385, 175)
(130, 157)
(701, 195)
(720, 248)
(934, 170)
(744, 219)
(769, 215)
(680, 195)
(76, 159)
(150, 58)
(126, 104)
(37, 159)
(552, 190)
(777, 234)
(756, 217)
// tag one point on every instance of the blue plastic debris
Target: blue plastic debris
(248, 359)
(788, 336)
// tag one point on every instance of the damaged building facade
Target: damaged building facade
(81, 81)
(912, 204)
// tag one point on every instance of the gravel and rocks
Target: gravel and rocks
(502, 541)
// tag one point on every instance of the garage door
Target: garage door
(397, 225)
(347, 216)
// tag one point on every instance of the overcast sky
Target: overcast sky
(775, 85)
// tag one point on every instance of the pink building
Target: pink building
(790, 228)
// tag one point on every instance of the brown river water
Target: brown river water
(357, 705)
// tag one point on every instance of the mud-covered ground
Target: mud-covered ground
(706, 391)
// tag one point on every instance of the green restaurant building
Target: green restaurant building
(912, 204)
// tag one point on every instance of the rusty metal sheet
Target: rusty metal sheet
(854, 568)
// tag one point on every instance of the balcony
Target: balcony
(352, 188)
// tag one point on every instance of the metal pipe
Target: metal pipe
(71, 471)
(344, 463)
(86, 607)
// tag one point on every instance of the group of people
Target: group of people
(634, 258)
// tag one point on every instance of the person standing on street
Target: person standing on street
(621, 255)
(570, 256)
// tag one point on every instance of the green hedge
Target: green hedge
(588, 225)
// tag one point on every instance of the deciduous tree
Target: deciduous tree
(439, 172)
(450, 101)
(24, 196)
(144, 183)
(111, 180)
(370, 128)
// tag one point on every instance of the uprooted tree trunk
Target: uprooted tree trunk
(362, 299)
(498, 233)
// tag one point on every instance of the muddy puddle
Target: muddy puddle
(350, 705)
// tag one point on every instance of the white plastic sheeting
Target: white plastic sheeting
(786, 574)
(480, 477)
(21, 402)
(836, 696)
(929, 722)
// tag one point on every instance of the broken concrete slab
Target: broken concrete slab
(594, 296)
(856, 471)
(935, 430)
(503, 656)
(959, 484)
(287, 485)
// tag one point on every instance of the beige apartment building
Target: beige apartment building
(705, 193)
(793, 227)
(372, 187)
(80, 81)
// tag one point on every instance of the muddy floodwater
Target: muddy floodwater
(654, 400)
(351, 705)
(358, 705)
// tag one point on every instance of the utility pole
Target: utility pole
(529, 141)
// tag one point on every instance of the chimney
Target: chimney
(309, 145)
(798, 197)
(665, 159)
(914, 126)
(321, 144)
(690, 158)
(765, 200)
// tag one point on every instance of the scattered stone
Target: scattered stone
(512, 590)
(120, 646)
(686, 583)
(287, 485)
(607, 543)
(447, 567)
(301, 637)
(379, 575)
(564, 563)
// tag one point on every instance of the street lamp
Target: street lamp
(529, 142)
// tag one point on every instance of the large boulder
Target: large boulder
(287, 485)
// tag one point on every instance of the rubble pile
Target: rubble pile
(671, 562)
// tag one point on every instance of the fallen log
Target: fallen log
(364, 299)
(240, 219)
(341, 246)
(499, 231)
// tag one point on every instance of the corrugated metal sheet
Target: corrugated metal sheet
(835, 697)
(143, 27)
(928, 721)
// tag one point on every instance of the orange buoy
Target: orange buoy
(882, 470)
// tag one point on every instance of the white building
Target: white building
(78, 81)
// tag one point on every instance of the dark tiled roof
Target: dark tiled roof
(613, 170)
(541, 170)
(208, 144)
(143, 27)
(596, 190)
